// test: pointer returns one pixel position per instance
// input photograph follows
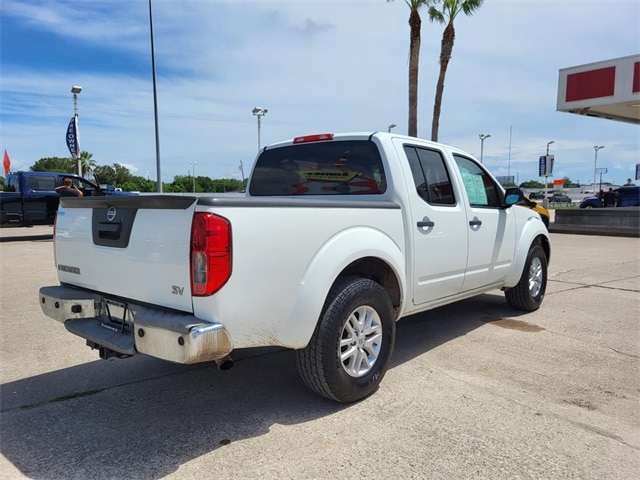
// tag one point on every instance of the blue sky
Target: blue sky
(318, 66)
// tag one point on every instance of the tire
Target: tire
(528, 294)
(352, 344)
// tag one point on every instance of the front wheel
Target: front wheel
(351, 347)
(527, 295)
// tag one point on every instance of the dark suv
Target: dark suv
(625, 197)
(628, 197)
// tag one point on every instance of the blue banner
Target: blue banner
(73, 140)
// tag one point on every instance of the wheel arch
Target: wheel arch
(536, 238)
(362, 252)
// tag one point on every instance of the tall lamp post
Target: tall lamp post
(483, 137)
(545, 202)
(155, 104)
(393, 125)
(193, 166)
(259, 112)
(595, 166)
(76, 89)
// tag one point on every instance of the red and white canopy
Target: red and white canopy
(608, 89)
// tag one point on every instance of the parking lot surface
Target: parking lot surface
(475, 391)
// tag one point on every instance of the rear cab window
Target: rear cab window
(41, 183)
(347, 167)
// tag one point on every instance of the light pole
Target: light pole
(193, 166)
(483, 137)
(242, 172)
(155, 104)
(545, 201)
(259, 112)
(393, 125)
(76, 89)
(595, 166)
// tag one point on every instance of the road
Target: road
(475, 391)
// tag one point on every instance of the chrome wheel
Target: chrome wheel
(536, 276)
(361, 341)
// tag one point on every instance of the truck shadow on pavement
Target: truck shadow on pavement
(144, 418)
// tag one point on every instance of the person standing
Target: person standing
(68, 189)
(610, 198)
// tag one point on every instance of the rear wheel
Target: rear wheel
(351, 347)
(527, 295)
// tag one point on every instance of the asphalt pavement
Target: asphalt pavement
(475, 391)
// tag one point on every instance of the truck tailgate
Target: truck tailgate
(132, 247)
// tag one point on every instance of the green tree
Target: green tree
(55, 164)
(64, 164)
(86, 161)
(415, 25)
(532, 184)
(450, 9)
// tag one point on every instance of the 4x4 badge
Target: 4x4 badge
(111, 213)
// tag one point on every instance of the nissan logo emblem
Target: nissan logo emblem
(111, 213)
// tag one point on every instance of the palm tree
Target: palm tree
(450, 9)
(415, 23)
(86, 161)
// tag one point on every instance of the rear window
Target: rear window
(320, 168)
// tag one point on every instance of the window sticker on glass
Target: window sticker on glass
(475, 189)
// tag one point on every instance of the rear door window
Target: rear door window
(430, 175)
(41, 183)
(350, 167)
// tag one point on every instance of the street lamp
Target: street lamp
(483, 136)
(193, 166)
(155, 103)
(595, 166)
(545, 202)
(259, 112)
(76, 89)
(393, 125)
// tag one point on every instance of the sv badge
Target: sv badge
(176, 290)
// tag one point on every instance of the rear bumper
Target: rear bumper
(174, 336)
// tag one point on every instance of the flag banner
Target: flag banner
(73, 140)
(545, 165)
(6, 162)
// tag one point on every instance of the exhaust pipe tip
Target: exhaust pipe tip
(225, 363)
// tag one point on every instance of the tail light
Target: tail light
(210, 253)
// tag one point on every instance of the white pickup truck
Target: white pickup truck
(337, 237)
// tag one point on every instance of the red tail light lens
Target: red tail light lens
(210, 253)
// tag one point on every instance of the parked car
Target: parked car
(30, 198)
(536, 195)
(625, 197)
(559, 198)
(544, 213)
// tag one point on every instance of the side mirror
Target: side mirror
(512, 196)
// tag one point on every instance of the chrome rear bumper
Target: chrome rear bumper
(129, 329)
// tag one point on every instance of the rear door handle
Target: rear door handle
(426, 223)
(475, 222)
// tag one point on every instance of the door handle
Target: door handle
(475, 222)
(426, 223)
